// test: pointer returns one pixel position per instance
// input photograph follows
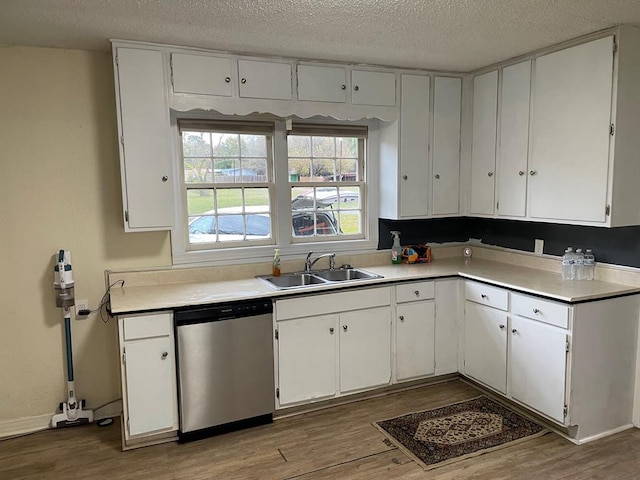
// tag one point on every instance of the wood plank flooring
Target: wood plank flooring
(335, 443)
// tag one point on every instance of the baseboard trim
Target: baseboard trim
(600, 435)
(24, 426)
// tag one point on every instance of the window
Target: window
(326, 175)
(227, 183)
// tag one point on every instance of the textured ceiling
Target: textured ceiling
(455, 35)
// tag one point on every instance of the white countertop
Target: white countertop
(526, 280)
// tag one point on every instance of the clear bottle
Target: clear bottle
(567, 264)
(579, 265)
(396, 249)
(589, 265)
(276, 263)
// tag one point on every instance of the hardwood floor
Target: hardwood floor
(335, 443)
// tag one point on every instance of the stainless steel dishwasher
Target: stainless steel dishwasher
(225, 367)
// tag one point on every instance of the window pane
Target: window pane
(253, 145)
(198, 170)
(257, 200)
(299, 169)
(323, 146)
(227, 170)
(349, 198)
(225, 144)
(347, 147)
(229, 200)
(323, 170)
(299, 146)
(202, 229)
(199, 201)
(196, 144)
(347, 170)
(350, 222)
(254, 170)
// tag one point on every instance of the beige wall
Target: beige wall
(59, 189)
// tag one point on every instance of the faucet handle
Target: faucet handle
(332, 261)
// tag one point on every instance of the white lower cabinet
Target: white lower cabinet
(148, 374)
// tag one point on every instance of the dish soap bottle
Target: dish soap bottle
(276, 263)
(396, 249)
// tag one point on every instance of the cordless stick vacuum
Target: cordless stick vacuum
(72, 412)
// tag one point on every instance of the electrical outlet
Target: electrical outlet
(81, 305)
(539, 246)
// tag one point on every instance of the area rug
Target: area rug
(461, 430)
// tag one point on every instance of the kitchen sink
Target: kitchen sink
(319, 277)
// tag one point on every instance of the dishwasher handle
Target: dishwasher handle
(222, 311)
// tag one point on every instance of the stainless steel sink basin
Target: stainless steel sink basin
(320, 277)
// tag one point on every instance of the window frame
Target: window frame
(281, 232)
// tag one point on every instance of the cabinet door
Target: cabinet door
(201, 74)
(322, 84)
(307, 358)
(270, 80)
(150, 385)
(514, 139)
(365, 349)
(537, 366)
(570, 129)
(415, 343)
(373, 88)
(414, 146)
(144, 139)
(446, 145)
(485, 345)
(483, 150)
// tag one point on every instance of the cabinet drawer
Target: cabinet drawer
(542, 310)
(412, 292)
(145, 326)
(486, 295)
(332, 303)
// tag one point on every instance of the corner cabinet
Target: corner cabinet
(148, 375)
(143, 129)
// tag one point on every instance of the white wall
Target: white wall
(59, 189)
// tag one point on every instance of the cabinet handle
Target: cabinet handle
(513, 330)
(165, 178)
(490, 174)
(243, 80)
(437, 176)
(404, 177)
(344, 327)
(164, 355)
(536, 311)
(343, 87)
(532, 172)
(521, 173)
(227, 79)
(356, 88)
(483, 296)
(402, 318)
(331, 330)
(501, 327)
(417, 293)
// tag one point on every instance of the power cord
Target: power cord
(104, 306)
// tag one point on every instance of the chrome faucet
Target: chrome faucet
(308, 264)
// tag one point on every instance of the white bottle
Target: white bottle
(589, 265)
(567, 264)
(396, 249)
(579, 265)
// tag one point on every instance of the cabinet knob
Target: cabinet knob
(536, 311)
(416, 293)
(345, 327)
(164, 355)
(521, 173)
(331, 330)
(490, 174)
(243, 80)
(483, 296)
(532, 172)
(513, 330)
(356, 88)
(501, 327)
(437, 176)
(165, 178)
(227, 79)
(404, 177)
(401, 318)
(343, 87)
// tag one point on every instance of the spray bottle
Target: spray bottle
(396, 249)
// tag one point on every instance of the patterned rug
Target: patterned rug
(461, 430)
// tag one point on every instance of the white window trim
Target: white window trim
(264, 253)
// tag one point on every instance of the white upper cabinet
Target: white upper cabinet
(514, 139)
(483, 152)
(143, 126)
(373, 88)
(201, 74)
(322, 84)
(446, 145)
(270, 80)
(571, 132)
